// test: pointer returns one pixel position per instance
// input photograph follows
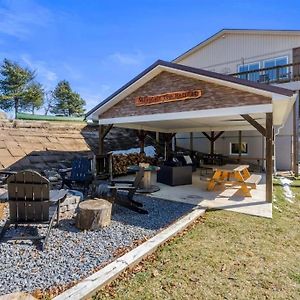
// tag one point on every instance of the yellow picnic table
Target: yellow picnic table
(234, 175)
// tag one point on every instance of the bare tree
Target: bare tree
(49, 102)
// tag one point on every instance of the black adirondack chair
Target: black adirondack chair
(80, 174)
(31, 202)
(122, 192)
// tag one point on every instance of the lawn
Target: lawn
(226, 256)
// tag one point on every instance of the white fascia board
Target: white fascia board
(195, 114)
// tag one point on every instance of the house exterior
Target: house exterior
(170, 98)
(200, 109)
(265, 56)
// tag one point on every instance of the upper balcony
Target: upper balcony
(272, 75)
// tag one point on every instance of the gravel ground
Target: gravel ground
(72, 254)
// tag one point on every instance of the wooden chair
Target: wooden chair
(80, 174)
(129, 186)
(31, 202)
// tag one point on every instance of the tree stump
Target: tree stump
(93, 214)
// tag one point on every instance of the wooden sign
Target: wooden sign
(167, 97)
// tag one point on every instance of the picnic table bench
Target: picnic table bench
(234, 175)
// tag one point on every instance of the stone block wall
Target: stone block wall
(41, 145)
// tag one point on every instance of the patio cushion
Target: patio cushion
(188, 159)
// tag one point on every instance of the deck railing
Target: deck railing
(278, 74)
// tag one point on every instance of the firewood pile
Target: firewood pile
(122, 161)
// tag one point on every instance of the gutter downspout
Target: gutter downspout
(276, 132)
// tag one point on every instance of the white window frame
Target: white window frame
(274, 58)
(247, 64)
(230, 149)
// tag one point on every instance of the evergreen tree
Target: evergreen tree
(34, 97)
(67, 102)
(14, 82)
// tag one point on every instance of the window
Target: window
(249, 67)
(278, 73)
(234, 148)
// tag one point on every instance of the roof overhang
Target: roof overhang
(228, 118)
(220, 119)
(212, 77)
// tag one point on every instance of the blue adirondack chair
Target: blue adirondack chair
(79, 175)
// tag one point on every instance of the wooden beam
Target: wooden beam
(212, 138)
(218, 135)
(206, 135)
(103, 131)
(107, 130)
(269, 156)
(255, 124)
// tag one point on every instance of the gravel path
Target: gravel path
(72, 254)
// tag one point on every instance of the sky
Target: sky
(98, 46)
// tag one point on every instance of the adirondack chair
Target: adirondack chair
(31, 202)
(129, 186)
(80, 174)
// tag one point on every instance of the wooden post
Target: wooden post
(174, 143)
(103, 131)
(212, 143)
(296, 137)
(101, 140)
(158, 146)
(240, 145)
(101, 163)
(212, 138)
(191, 142)
(157, 137)
(168, 139)
(269, 156)
(141, 136)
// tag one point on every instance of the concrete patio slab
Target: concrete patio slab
(227, 198)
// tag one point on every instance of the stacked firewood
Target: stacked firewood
(122, 161)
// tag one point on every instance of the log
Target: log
(93, 214)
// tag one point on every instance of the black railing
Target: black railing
(278, 74)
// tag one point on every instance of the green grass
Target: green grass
(227, 256)
(25, 116)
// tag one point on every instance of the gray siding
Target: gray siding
(256, 145)
(224, 54)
